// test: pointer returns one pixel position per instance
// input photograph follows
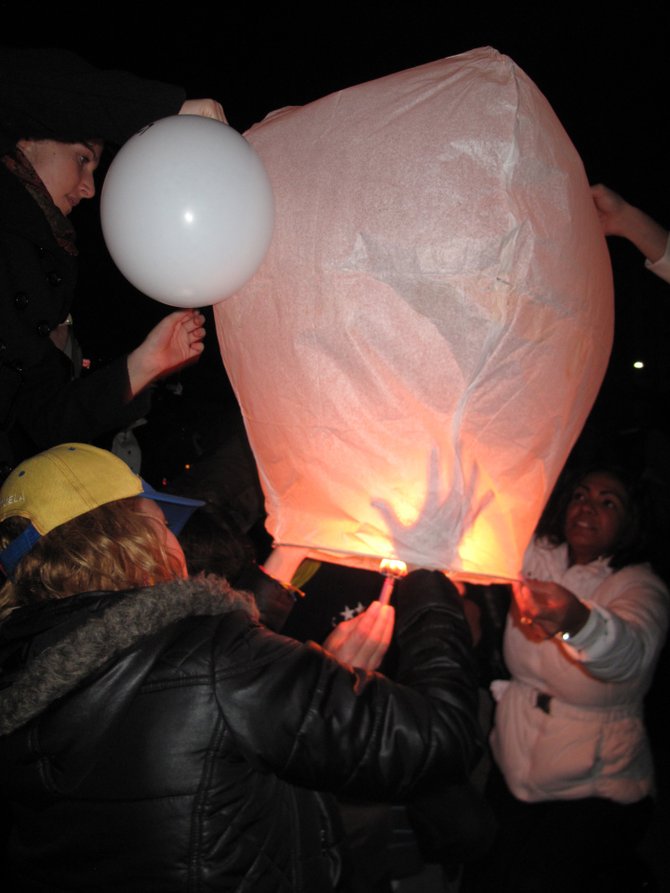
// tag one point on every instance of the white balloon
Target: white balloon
(187, 211)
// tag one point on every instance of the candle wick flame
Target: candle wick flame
(392, 567)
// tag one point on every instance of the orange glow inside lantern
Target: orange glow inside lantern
(426, 336)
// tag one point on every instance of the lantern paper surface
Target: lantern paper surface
(427, 334)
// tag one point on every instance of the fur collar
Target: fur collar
(121, 623)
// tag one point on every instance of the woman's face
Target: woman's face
(170, 542)
(596, 517)
(66, 169)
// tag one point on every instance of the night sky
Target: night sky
(606, 76)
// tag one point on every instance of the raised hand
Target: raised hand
(173, 343)
(205, 108)
(364, 640)
(549, 606)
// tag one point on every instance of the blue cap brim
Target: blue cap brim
(10, 556)
(177, 509)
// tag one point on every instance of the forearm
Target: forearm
(356, 732)
(366, 736)
(52, 409)
(622, 641)
(275, 600)
(549, 607)
(645, 233)
(435, 701)
(142, 371)
(575, 618)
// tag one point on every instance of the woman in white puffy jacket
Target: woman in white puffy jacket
(587, 624)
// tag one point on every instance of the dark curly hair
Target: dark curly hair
(633, 546)
(213, 544)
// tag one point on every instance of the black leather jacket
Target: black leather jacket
(161, 739)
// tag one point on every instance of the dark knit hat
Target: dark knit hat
(54, 94)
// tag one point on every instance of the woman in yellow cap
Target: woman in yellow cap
(153, 736)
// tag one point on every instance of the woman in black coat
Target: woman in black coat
(56, 113)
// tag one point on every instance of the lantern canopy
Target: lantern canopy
(426, 336)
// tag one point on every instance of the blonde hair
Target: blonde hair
(116, 546)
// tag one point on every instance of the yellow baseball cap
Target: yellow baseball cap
(67, 481)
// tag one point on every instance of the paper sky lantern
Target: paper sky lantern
(187, 211)
(427, 334)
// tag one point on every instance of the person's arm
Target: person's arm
(204, 108)
(550, 606)
(623, 639)
(364, 640)
(614, 642)
(51, 408)
(175, 342)
(619, 218)
(357, 732)
(275, 600)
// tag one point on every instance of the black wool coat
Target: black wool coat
(41, 403)
(53, 94)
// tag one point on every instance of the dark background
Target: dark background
(604, 72)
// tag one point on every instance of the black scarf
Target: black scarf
(62, 229)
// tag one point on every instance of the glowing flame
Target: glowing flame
(392, 570)
(392, 567)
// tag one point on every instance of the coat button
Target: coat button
(54, 279)
(21, 300)
(43, 329)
